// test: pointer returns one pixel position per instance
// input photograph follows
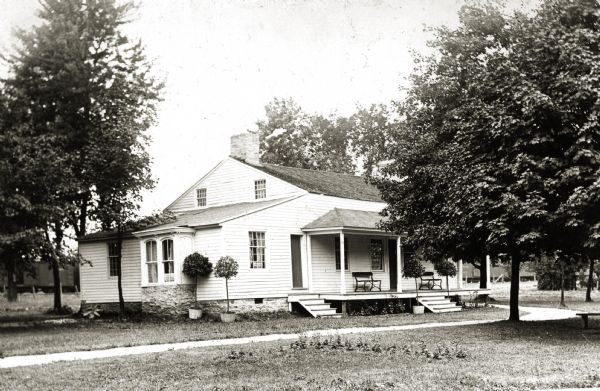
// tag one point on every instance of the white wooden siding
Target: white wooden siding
(97, 286)
(233, 182)
(278, 223)
(326, 278)
(209, 242)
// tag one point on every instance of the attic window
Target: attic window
(260, 189)
(201, 197)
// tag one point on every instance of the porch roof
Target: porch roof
(346, 218)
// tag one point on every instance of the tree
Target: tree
(196, 265)
(480, 155)
(446, 268)
(85, 90)
(226, 268)
(290, 137)
(414, 269)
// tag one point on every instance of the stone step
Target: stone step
(435, 302)
(454, 309)
(330, 311)
(312, 302)
(317, 307)
(432, 298)
(442, 306)
(303, 297)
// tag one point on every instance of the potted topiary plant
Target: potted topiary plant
(227, 268)
(414, 269)
(196, 265)
(448, 269)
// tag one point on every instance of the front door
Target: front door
(393, 262)
(296, 261)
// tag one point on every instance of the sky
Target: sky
(223, 61)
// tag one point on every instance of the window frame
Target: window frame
(111, 258)
(381, 255)
(164, 260)
(201, 197)
(260, 242)
(260, 189)
(336, 250)
(154, 262)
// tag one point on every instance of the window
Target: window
(201, 197)
(376, 251)
(257, 250)
(260, 189)
(337, 254)
(113, 259)
(151, 261)
(168, 260)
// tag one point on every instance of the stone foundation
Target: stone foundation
(167, 300)
(245, 306)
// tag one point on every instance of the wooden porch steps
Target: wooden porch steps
(438, 304)
(316, 307)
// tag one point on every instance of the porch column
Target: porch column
(342, 265)
(488, 272)
(459, 274)
(309, 263)
(399, 261)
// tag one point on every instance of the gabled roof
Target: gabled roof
(206, 217)
(323, 182)
(346, 218)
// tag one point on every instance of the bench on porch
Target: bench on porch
(584, 317)
(364, 280)
(428, 279)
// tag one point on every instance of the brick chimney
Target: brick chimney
(245, 146)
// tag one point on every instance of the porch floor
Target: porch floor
(390, 294)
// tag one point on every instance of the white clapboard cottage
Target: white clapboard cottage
(299, 236)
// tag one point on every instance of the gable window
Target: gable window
(168, 260)
(257, 250)
(260, 189)
(201, 197)
(337, 254)
(376, 251)
(113, 259)
(151, 261)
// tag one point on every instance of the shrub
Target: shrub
(196, 265)
(413, 269)
(226, 268)
(447, 269)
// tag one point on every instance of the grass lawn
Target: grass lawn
(499, 356)
(102, 334)
(530, 296)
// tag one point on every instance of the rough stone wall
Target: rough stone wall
(245, 146)
(167, 300)
(245, 306)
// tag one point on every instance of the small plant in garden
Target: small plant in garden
(414, 269)
(226, 268)
(446, 268)
(196, 265)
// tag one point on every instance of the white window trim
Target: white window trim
(108, 244)
(264, 251)
(161, 279)
(145, 263)
(199, 198)
(382, 255)
(256, 189)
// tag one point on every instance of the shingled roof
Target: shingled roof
(195, 219)
(323, 182)
(346, 218)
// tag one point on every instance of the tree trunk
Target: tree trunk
(514, 287)
(227, 294)
(119, 271)
(11, 277)
(56, 266)
(562, 286)
(483, 273)
(417, 290)
(447, 286)
(590, 282)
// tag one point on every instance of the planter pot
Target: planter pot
(195, 313)
(418, 309)
(227, 318)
